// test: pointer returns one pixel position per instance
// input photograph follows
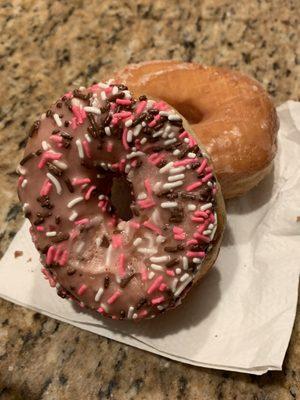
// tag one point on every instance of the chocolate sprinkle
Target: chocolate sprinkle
(106, 282)
(34, 129)
(172, 262)
(104, 242)
(26, 158)
(124, 281)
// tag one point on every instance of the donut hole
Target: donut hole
(190, 112)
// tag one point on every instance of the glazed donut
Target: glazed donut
(124, 206)
(229, 112)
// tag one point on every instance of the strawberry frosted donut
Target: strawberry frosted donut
(124, 206)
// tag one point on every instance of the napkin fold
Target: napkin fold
(241, 316)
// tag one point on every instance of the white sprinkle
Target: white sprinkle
(160, 308)
(197, 260)
(176, 170)
(174, 284)
(104, 306)
(98, 241)
(80, 149)
(134, 154)
(170, 141)
(157, 134)
(209, 183)
(45, 145)
(151, 275)
(172, 185)
(130, 312)
(127, 94)
(186, 140)
(160, 239)
(176, 152)
(178, 271)
(114, 90)
(127, 168)
(43, 116)
(55, 183)
(103, 96)
(169, 204)
(157, 187)
(191, 207)
(129, 136)
(166, 167)
(73, 216)
(51, 233)
(144, 124)
(60, 164)
(174, 178)
(101, 197)
(185, 263)
(24, 183)
(164, 113)
(141, 196)
(99, 294)
(88, 138)
(73, 202)
(206, 206)
(207, 232)
(213, 232)
(25, 206)
(145, 250)
(171, 135)
(134, 316)
(107, 130)
(103, 85)
(80, 247)
(169, 128)
(156, 267)
(210, 226)
(57, 120)
(137, 241)
(174, 117)
(192, 155)
(165, 134)
(21, 170)
(128, 123)
(159, 259)
(93, 110)
(137, 129)
(184, 277)
(183, 286)
(144, 140)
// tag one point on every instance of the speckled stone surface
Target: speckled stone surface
(48, 46)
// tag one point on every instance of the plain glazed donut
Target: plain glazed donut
(124, 205)
(229, 112)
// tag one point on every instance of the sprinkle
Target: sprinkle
(183, 286)
(160, 239)
(150, 225)
(156, 267)
(192, 155)
(193, 186)
(134, 154)
(184, 162)
(157, 300)
(134, 316)
(207, 232)
(86, 148)
(185, 263)
(73, 216)
(45, 145)
(202, 166)
(144, 274)
(103, 96)
(162, 287)
(148, 187)
(176, 177)
(89, 192)
(170, 272)
(176, 152)
(124, 139)
(159, 259)
(207, 177)
(80, 148)
(57, 120)
(114, 297)
(145, 250)
(82, 221)
(170, 141)
(191, 207)
(201, 214)
(121, 264)
(137, 241)
(51, 233)
(130, 312)
(140, 107)
(169, 204)
(128, 123)
(24, 183)
(197, 260)
(196, 254)
(73, 202)
(146, 203)
(55, 182)
(184, 277)
(93, 110)
(174, 117)
(63, 259)
(172, 185)
(155, 284)
(137, 129)
(116, 241)
(99, 294)
(107, 130)
(82, 289)
(60, 164)
(144, 140)
(47, 156)
(81, 181)
(141, 196)
(174, 284)
(206, 206)
(166, 167)
(134, 224)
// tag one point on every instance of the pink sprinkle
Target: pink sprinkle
(86, 148)
(82, 221)
(113, 106)
(161, 105)
(79, 113)
(201, 237)
(80, 181)
(124, 102)
(162, 287)
(201, 228)
(208, 169)
(116, 241)
(201, 214)
(143, 313)
(191, 241)
(58, 253)
(121, 264)
(200, 254)
(49, 277)
(150, 225)
(108, 90)
(212, 218)
(89, 192)
(144, 274)
(45, 189)
(100, 310)
(68, 95)
(114, 121)
(56, 138)
(48, 155)
(133, 163)
(202, 166)
(109, 147)
(214, 191)
(40, 228)
(140, 107)
(177, 229)
(179, 237)
(148, 187)
(155, 158)
(146, 203)
(114, 317)
(170, 272)
(94, 87)
(50, 255)
(193, 186)
(124, 139)
(197, 219)
(64, 258)
(152, 123)
(183, 135)
(82, 290)
(134, 224)
(158, 300)
(186, 161)
(155, 285)
(123, 114)
(114, 297)
(207, 177)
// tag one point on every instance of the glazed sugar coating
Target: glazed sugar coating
(121, 199)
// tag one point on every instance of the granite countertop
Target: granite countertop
(47, 46)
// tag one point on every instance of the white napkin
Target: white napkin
(241, 316)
